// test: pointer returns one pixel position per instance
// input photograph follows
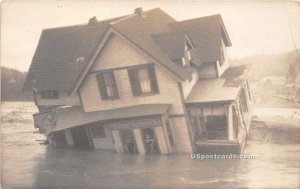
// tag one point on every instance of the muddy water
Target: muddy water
(27, 164)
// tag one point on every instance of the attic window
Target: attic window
(80, 60)
(187, 54)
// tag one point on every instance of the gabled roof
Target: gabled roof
(64, 55)
(140, 29)
(206, 34)
(61, 54)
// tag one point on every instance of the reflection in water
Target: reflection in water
(26, 164)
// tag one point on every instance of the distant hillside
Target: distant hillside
(273, 78)
(270, 65)
(11, 85)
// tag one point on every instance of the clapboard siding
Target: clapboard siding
(118, 54)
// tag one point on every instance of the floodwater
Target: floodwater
(27, 164)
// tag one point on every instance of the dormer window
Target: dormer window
(187, 54)
(187, 58)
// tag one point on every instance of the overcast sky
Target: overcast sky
(254, 27)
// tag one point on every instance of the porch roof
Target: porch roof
(75, 116)
(225, 88)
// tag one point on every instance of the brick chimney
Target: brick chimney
(93, 20)
(139, 11)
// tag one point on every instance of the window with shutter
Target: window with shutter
(107, 86)
(222, 58)
(143, 81)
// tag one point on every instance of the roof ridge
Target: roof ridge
(84, 24)
(168, 33)
(132, 15)
(192, 19)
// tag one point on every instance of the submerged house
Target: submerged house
(142, 83)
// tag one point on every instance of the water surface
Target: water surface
(27, 164)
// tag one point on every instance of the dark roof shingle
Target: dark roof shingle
(172, 43)
(225, 88)
(140, 29)
(206, 34)
(60, 55)
(63, 53)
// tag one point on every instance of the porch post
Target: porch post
(89, 135)
(161, 140)
(139, 141)
(69, 138)
(118, 142)
(230, 123)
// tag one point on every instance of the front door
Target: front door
(150, 141)
(128, 141)
(80, 137)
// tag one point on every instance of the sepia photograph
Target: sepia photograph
(154, 94)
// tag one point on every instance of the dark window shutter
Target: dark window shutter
(152, 77)
(134, 82)
(101, 85)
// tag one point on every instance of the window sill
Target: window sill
(110, 99)
(146, 94)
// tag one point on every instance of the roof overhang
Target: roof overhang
(75, 116)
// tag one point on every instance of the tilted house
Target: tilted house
(141, 83)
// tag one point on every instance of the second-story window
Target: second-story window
(222, 57)
(51, 94)
(143, 81)
(107, 86)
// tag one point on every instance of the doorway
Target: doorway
(128, 141)
(80, 137)
(150, 141)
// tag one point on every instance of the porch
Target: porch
(220, 112)
(143, 129)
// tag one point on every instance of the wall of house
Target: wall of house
(208, 70)
(64, 99)
(248, 95)
(104, 142)
(225, 66)
(118, 53)
(246, 116)
(188, 85)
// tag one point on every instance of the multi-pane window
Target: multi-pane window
(187, 54)
(143, 80)
(107, 86)
(49, 94)
(222, 57)
(97, 130)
